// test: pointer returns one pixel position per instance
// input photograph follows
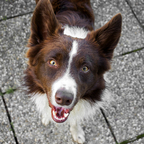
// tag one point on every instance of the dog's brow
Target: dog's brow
(55, 52)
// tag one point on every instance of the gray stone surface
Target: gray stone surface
(132, 34)
(6, 135)
(10, 8)
(126, 81)
(14, 35)
(29, 129)
(138, 7)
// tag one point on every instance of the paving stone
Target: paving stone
(138, 7)
(10, 8)
(6, 135)
(132, 34)
(14, 35)
(126, 81)
(29, 129)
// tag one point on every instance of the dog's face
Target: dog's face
(65, 67)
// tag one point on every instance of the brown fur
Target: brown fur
(47, 35)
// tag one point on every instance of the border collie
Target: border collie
(67, 61)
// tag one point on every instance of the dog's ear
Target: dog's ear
(36, 1)
(44, 22)
(108, 36)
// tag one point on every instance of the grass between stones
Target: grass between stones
(133, 139)
(9, 91)
(6, 18)
(129, 52)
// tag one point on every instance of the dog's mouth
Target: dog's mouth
(59, 114)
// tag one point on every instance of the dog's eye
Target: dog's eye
(53, 63)
(85, 69)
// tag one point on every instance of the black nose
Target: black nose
(63, 97)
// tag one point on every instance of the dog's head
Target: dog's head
(65, 66)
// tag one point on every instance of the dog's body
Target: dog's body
(67, 61)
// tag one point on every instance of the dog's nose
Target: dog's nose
(63, 97)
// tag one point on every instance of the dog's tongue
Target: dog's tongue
(59, 114)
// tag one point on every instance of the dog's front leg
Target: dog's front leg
(77, 132)
(46, 115)
(45, 118)
(42, 106)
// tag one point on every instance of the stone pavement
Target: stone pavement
(122, 122)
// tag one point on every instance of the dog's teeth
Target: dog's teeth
(54, 113)
(60, 118)
(66, 114)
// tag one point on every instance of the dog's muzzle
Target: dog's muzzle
(64, 99)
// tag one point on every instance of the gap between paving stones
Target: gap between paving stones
(129, 52)
(7, 112)
(133, 139)
(125, 141)
(129, 4)
(109, 126)
(7, 18)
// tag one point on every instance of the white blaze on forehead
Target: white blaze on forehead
(75, 32)
(66, 81)
(72, 53)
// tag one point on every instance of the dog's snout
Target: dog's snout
(63, 97)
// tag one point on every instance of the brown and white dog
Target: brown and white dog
(67, 61)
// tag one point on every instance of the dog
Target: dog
(67, 60)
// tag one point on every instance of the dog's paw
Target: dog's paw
(78, 134)
(45, 121)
